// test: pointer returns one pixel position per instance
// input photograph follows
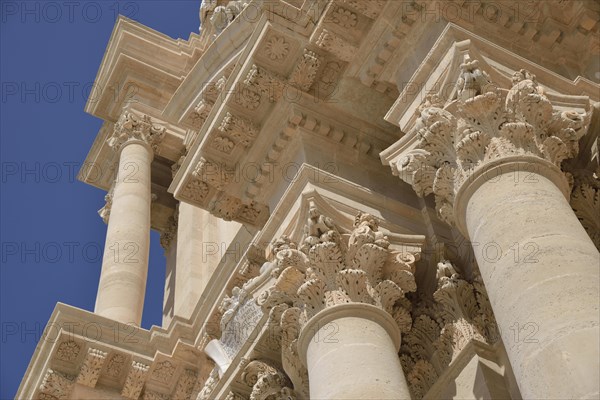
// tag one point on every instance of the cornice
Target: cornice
(136, 53)
(561, 36)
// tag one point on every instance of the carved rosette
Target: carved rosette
(131, 127)
(485, 124)
(68, 351)
(460, 312)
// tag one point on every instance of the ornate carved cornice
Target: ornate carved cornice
(567, 30)
(206, 189)
(131, 127)
(123, 371)
(482, 125)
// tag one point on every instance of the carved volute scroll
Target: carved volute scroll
(484, 124)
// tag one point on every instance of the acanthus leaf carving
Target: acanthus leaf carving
(240, 129)
(92, 365)
(209, 386)
(134, 383)
(57, 384)
(370, 9)
(212, 173)
(487, 124)
(331, 268)
(305, 72)
(266, 381)
(133, 127)
(266, 83)
(185, 385)
(460, 312)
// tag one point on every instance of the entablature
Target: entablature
(561, 36)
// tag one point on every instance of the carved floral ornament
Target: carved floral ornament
(459, 312)
(135, 128)
(484, 124)
(331, 267)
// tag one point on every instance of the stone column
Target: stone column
(207, 241)
(492, 159)
(351, 352)
(125, 261)
(347, 332)
(541, 272)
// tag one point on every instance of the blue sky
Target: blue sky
(51, 235)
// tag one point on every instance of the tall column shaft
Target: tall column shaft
(125, 262)
(541, 272)
(205, 240)
(351, 352)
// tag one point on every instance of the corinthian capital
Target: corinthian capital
(131, 127)
(331, 267)
(483, 124)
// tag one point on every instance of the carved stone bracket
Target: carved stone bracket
(482, 125)
(135, 380)
(56, 385)
(212, 177)
(92, 365)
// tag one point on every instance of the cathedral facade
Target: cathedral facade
(357, 199)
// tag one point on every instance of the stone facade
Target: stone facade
(369, 199)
